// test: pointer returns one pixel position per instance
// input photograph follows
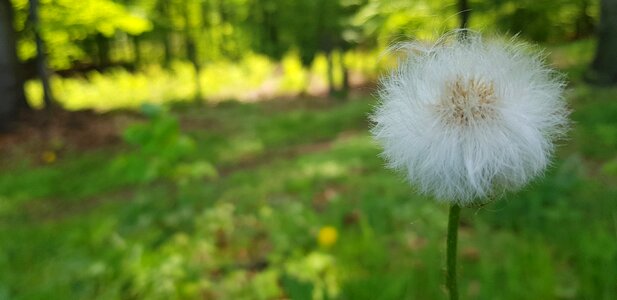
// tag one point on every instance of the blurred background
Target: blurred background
(218, 149)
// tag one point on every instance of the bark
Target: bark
(584, 22)
(41, 61)
(191, 51)
(330, 73)
(11, 87)
(604, 67)
(136, 51)
(345, 85)
(166, 32)
(167, 49)
(102, 44)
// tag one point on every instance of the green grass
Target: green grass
(105, 225)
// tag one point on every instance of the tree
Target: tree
(11, 87)
(323, 26)
(41, 61)
(191, 47)
(604, 67)
(76, 31)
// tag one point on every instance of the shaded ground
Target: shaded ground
(66, 134)
(59, 130)
(39, 132)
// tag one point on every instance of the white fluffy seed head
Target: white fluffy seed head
(468, 119)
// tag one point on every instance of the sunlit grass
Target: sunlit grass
(252, 78)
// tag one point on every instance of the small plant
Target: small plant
(160, 149)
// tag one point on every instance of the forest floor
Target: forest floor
(289, 199)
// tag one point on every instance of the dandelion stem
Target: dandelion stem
(452, 240)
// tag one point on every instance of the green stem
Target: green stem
(455, 212)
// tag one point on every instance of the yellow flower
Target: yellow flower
(327, 236)
(49, 157)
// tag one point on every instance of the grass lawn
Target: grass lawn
(238, 201)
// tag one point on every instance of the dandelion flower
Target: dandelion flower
(327, 236)
(49, 157)
(469, 118)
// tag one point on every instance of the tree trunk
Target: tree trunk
(345, 84)
(604, 67)
(102, 44)
(41, 62)
(191, 50)
(165, 32)
(11, 89)
(330, 71)
(584, 22)
(167, 49)
(136, 51)
(192, 53)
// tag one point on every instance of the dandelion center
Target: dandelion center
(466, 102)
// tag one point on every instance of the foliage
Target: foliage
(65, 24)
(160, 150)
(322, 27)
(235, 46)
(155, 31)
(545, 21)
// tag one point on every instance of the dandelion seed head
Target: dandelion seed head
(466, 102)
(468, 119)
